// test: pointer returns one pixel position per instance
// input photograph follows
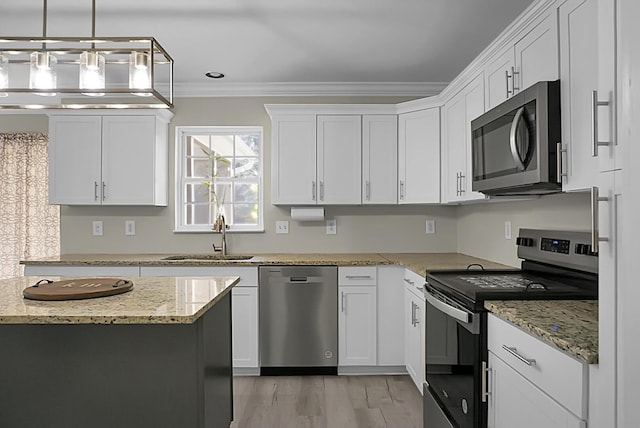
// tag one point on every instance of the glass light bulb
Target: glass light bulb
(139, 72)
(4, 74)
(43, 72)
(92, 75)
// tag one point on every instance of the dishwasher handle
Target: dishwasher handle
(298, 279)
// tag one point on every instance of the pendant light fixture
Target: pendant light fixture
(84, 72)
(92, 72)
(42, 64)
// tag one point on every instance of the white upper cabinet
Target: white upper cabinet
(339, 159)
(536, 54)
(108, 159)
(459, 111)
(499, 78)
(533, 57)
(579, 77)
(419, 157)
(293, 159)
(380, 159)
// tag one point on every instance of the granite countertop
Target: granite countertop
(416, 262)
(167, 300)
(569, 325)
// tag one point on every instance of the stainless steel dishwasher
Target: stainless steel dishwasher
(298, 320)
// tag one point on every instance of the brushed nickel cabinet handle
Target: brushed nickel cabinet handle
(322, 190)
(595, 219)
(594, 122)
(507, 77)
(313, 191)
(514, 351)
(342, 301)
(104, 191)
(95, 190)
(513, 82)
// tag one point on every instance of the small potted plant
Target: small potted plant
(216, 198)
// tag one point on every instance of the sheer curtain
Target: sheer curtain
(29, 226)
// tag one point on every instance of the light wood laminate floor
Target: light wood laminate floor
(326, 402)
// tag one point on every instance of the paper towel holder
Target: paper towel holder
(307, 213)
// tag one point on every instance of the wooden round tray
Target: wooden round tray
(79, 288)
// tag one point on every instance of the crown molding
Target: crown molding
(221, 89)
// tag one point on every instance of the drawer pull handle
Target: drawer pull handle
(408, 281)
(513, 351)
(358, 276)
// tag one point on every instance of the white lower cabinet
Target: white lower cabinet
(516, 402)
(391, 318)
(414, 334)
(531, 383)
(357, 333)
(244, 308)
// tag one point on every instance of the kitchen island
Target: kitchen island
(157, 356)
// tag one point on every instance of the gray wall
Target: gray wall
(23, 123)
(481, 227)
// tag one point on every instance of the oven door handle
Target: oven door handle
(456, 313)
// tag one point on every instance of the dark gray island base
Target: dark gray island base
(138, 375)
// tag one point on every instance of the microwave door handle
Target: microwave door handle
(512, 139)
(456, 313)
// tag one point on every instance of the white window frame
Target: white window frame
(179, 183)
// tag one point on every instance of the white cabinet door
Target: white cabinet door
(380, 159)
(516, 402)
(357, 322)
(537, 54)
(413, 339)
(579, 76)
(293, 160)
(108, 160)
(460, 110)
(498, 77)
(245, 327)
(75, 160)
(128, 160)
(339, 159)
(390, 316)
(419, 157)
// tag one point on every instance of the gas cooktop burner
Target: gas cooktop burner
(502, 281)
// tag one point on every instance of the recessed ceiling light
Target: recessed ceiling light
(214, 74)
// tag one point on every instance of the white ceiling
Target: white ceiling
(289, 43)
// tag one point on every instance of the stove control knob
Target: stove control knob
(584, 249)
(524, 242)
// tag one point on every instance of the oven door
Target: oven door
(454, 352)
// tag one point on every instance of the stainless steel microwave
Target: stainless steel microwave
(515, 145)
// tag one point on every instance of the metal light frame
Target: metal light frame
(116, 94)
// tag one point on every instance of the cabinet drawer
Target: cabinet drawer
(248, 275)
(414, 282)
(551, 370)
(357, 275)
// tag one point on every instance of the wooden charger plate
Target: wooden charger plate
(79, 288)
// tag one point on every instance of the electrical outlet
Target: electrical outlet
(97, 228)
(507, 230)
(282, 227)
(431, 227)
(130, 227)
(331, 226)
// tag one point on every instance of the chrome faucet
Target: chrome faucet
(220, 226)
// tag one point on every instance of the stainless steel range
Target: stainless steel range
(556, 265)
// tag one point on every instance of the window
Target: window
(219, 169)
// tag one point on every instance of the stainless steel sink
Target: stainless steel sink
(209, 257)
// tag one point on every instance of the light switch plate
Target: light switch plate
(282, 227)
(130, 227)
(331, 226)
(431, 227)
(97, 227)
(507, 230)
